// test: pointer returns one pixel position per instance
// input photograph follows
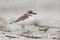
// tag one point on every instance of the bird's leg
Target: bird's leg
(23, 29)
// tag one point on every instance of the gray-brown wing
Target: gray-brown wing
(22, 17)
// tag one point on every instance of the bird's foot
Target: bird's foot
(25, 32)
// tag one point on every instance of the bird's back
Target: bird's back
(22, 18)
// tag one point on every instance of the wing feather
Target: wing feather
(22, 18)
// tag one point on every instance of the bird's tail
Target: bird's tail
(11, 22)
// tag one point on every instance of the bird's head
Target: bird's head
(30, 12)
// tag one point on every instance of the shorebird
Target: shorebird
(25, 19)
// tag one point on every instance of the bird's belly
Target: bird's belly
(26, 21)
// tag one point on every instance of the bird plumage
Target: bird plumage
(25, 19)
(22, 18)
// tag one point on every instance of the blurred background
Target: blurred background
(48, 10)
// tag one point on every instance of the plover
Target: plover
(25, 19)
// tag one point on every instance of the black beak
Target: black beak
(35, 13)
